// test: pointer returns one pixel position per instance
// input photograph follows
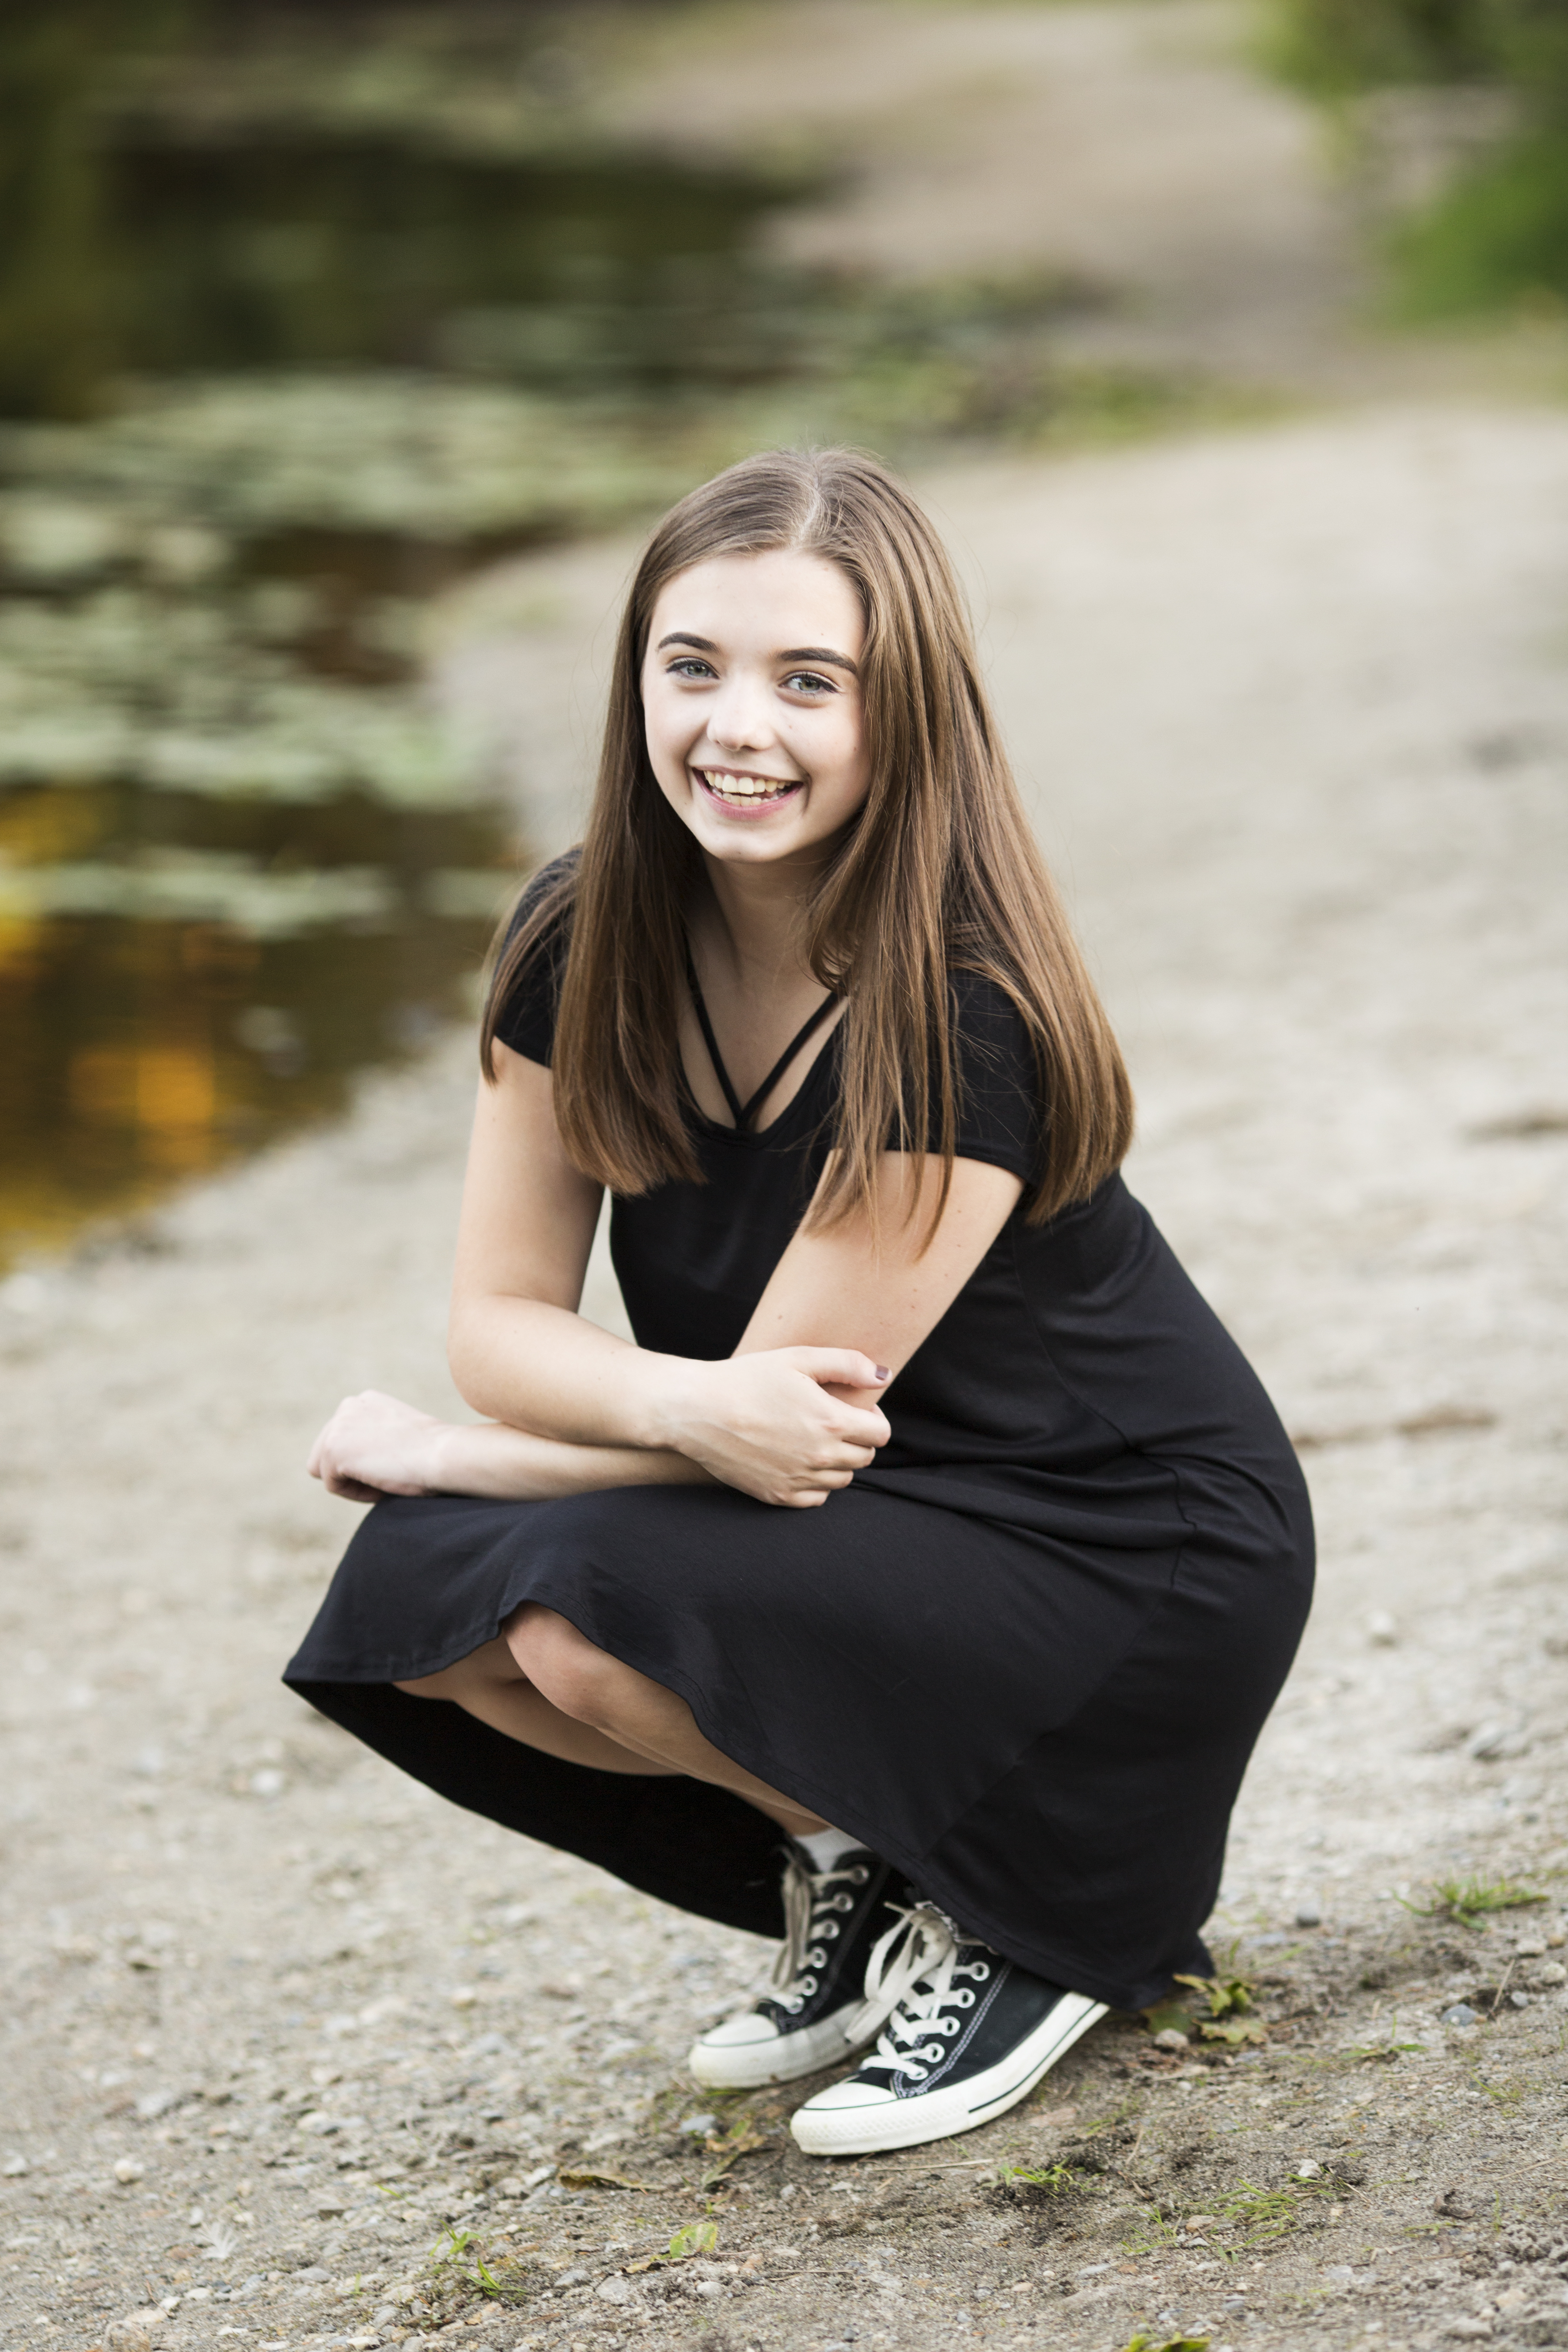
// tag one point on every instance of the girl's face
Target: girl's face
(751, 693)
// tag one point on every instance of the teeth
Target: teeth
(743, 788)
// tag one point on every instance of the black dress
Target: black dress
(1025, 1656)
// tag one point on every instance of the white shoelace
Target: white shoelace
(810, 1899)
(912, 1982)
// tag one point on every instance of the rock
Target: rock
(463, 1996)
(14, 2166)
(698, 2126)
(128, 2170)
(1311, 2170)
(136, 2330)
(1493, 1743)
(1309, 1916)
(1529, 1947)
(153, 2103)
(1468, 2331)
(1553, 1973)
(617, 2290)
(1382, 1629)
(1461, 2013)
(1171, 2038)
(386, 2314)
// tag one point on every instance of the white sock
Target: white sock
(824, 1846)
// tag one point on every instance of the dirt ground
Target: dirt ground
(279, 2030)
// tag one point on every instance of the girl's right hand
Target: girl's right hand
(376, 1445)
(774, 1423)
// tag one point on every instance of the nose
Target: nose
(738, 719)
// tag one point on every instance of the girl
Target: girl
(932, 1520)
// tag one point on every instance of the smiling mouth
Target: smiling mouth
(746, 791)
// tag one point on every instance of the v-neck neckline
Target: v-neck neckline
(742, 1112)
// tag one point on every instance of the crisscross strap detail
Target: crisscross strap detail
(743, 1112)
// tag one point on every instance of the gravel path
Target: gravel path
(1292, 707)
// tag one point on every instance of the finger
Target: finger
(839, 1366)
(861, 1425)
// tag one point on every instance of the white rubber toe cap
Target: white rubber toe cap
(852, 2096)
(742, 2032)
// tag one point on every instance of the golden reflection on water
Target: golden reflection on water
(137, 1053)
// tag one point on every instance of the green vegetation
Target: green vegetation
(1044, 2179)
(1229, 1999)
(1469, 1900)
(448, 2259)
(1497, 237)
(1264, 2216)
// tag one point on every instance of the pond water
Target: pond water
(240, 856)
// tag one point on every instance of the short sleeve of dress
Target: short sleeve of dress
(1000, 1116)
(527, 1020)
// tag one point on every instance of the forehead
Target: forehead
(781, 598)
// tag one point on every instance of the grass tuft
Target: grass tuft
(1468, 1900)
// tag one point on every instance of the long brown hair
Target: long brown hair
(939, 871)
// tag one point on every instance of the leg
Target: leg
(588, 1687)
(491, 1684)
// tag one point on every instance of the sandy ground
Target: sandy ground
(1127, 147)
(1293, 710)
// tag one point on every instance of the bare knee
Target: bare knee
(563, 1665)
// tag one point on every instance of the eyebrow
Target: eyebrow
(791, 653)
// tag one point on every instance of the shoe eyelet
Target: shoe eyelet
(843, 1902)
(962, 1999)
(980, 1970)
(807, 1985)
(860, 1874)
(948, 2025)
(829, 1927)
(933, 2053)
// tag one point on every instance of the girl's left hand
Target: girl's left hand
(373, 1446)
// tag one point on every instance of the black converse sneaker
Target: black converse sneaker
(833, 1918)
(968, 2035)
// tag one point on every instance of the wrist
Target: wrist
(658, 1396)
(438, 1468)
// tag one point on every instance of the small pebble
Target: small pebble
(128, 2170)
(14, 2166)
(1461, 2013)
(1171, 2037)
(698, 2126)
(1382, 1629)
(1309, 1916)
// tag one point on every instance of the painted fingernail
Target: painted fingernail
(883, 1373)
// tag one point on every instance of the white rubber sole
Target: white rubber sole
(833, 2125)
(777, 2058)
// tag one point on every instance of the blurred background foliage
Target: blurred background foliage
(305, 312)
(1497, 237)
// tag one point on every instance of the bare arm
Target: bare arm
(523, 1355)
(788, 1418)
